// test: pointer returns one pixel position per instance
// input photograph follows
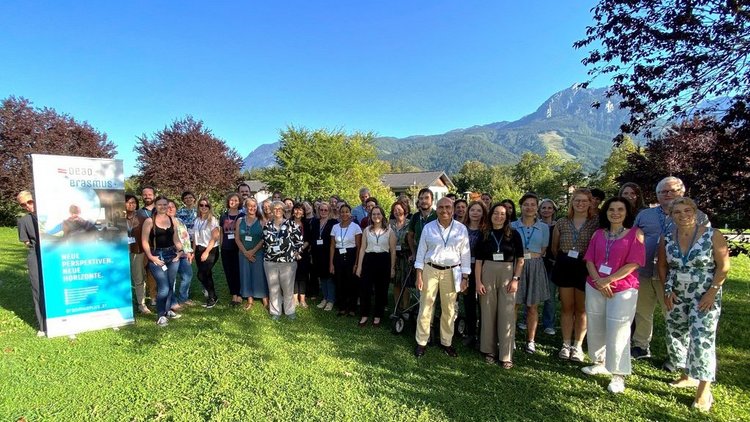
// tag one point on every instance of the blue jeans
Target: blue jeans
(164, 279)
(329, 289)
(550, 306)
(185, 273)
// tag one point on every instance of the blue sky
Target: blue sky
(249, 69)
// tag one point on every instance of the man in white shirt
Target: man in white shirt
(443, 264)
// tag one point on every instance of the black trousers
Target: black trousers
(32, 261)
(346, 281)
(470, 307)
(205, 269)
(230, 261)
(376, 273)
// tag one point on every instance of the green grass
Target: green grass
(228, 364)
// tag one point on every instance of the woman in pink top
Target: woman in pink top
(615, 252)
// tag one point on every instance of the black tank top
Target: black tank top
(162, 238)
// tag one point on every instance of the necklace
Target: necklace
(611, 235)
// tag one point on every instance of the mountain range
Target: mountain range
(566, 123)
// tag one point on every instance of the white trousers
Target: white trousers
(609, 328)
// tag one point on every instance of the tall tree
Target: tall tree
(318, 163)
(617, 161)
(476, 176)
(186, 155)
(26, 130)
(666, 57)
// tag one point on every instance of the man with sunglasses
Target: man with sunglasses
(654, 222)
(28, 233)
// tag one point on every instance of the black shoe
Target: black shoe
(640, 353)
(419, 351)
(449, 350)
(211, 302)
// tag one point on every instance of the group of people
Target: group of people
(610, 266)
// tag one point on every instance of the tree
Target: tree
(712, 161)
(476, 176)
(666, 57)
(549, 176)
(25, 130)
(187, 156)
(606, 177)
(318, 163)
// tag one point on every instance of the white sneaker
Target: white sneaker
(549, 331)
(564, 352)
(596, 369)
(40, 333)
(173, 315)
(322, 304)
(522, 326)
(329, 306)
(576, 354)
(162, 321)
(531, 347)
(617, 385)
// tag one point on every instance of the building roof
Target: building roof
(419, 179)
(256, 185)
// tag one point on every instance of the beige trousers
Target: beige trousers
(435, 281)
(650, 294)
(498, 309)
(138, 277)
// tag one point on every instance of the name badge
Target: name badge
(573, 254)
(275, 248)
(603, 269)
(342, 251)
(684, 277)
(131, 240)
(164, 268)
(319, 242)
(398, 247)
(473, 260)
(527, 255)
(230, 236)
(497, 257)
(248, 238)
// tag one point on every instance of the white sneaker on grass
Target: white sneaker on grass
(576, 354)
(162, 321)
(173, 315)
(564, 352)
(322, 304)
(617, 385)
(549, 331)
(596, 369)
(329, 306)
(530, 347)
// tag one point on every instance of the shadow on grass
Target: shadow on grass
(15, 289)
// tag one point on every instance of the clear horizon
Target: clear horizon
(249, 71)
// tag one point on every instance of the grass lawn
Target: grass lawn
(228, 364)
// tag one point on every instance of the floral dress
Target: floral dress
(691, 333)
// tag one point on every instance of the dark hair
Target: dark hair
(460, 200)
(639, 202)
(243, 184)
(512, 204)
(507, 230)
(229, 196)
(426, 190)
(186, 193)
(629, 214)
(452, 196)
(399, 204)
(384, 223)
(372, 199)
(528, 195)
(298, 205)
(482, 221)
(161, 197)
(344, 204)
(149, 187)
(598, 193)
(485, 193)
(128, 197)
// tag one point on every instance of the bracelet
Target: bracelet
(516, 278)
(716, 286)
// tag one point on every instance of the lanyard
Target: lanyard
(322, 228)
(664, 222)
(445, 239)
(343, 234)
(527, 236)
(611, 239)
(497, 243)
(576, 232)
(130, 226)
(681, 255)
(377, 236)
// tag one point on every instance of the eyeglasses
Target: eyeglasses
(672, 191)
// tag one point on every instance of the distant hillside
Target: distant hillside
(565, 123)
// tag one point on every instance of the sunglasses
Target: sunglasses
(204, 206)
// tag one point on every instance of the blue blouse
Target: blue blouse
(534, 238)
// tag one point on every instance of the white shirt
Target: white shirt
(203, 229)
(444, 246)
(344, 238)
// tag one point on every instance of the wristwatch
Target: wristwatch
(716, 286)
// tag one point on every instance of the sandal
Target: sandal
(248, 305)
(489, 359)
(506, 365)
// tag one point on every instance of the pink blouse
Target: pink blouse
(625, 250)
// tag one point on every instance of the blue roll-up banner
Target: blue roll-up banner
(80, 205)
